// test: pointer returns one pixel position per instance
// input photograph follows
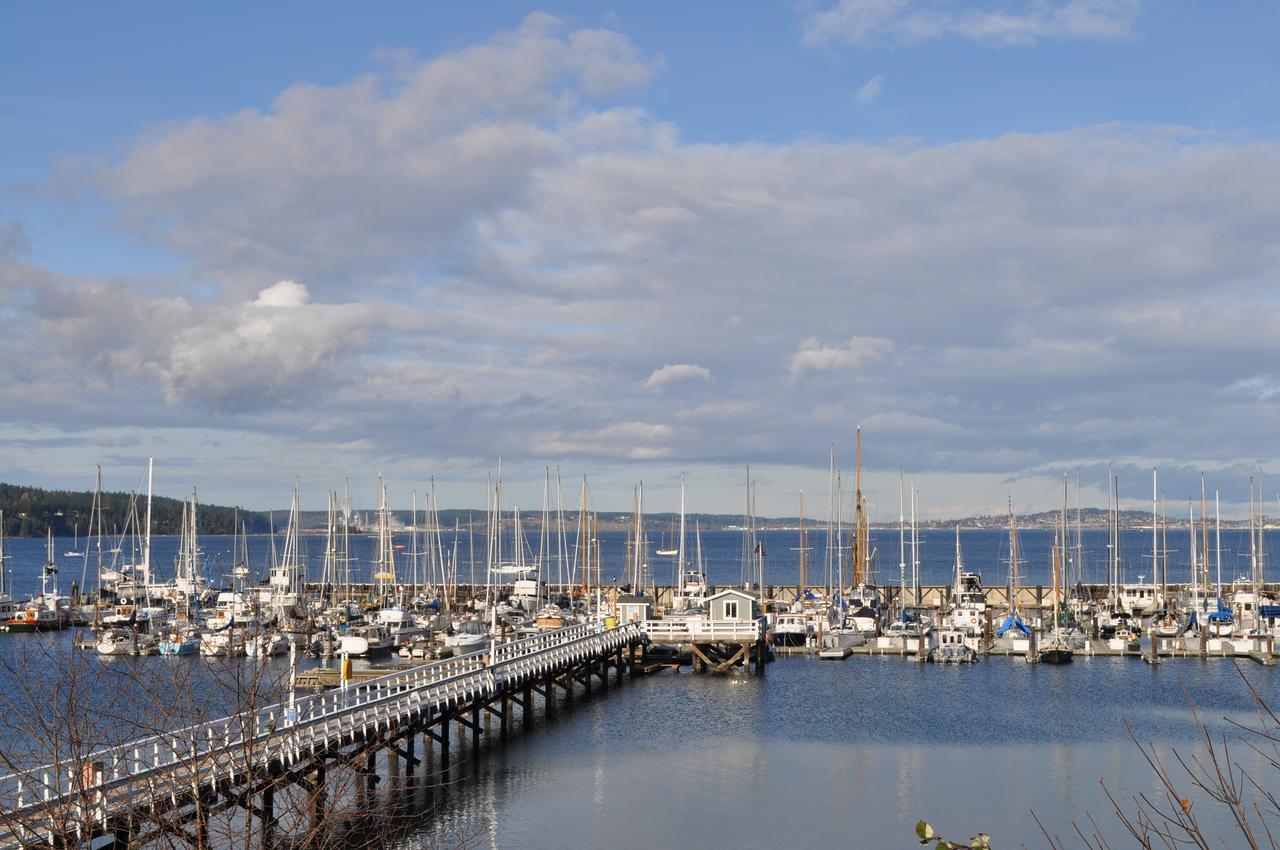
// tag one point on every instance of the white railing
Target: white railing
(696, 630)
(230, 746)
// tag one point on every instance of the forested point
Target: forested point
(29, 511)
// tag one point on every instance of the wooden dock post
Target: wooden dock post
(267, 815)
(528, 709)
(987, 632)
(1033, 654)
(444, 747)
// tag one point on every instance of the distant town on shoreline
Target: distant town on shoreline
(32, 511)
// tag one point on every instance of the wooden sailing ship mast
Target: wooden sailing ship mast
(861, 529)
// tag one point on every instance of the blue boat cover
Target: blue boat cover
(1013, 622)
(1222, 615)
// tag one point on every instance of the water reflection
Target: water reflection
(835, 753)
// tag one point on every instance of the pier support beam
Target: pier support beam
(267, 816)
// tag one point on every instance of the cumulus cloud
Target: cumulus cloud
(494, 237)
(1007, 23)
(812, 357)
(401, 165)
(673, 373)
(870, 90)
(273, 350)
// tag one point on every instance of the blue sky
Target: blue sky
(1007, 237)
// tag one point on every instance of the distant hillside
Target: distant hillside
(28, 511)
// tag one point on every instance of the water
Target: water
(819, 753)
(845, 754)
(985, 550)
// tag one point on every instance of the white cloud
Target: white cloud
(1008, 23)
(870, 90)
(673, 373)
(812, 357)
(286, 293)
(1260, 387)
(484, 242)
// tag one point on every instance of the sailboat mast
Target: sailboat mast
(1217, 534)
(1155, 529)
(902, 544)
(1204, 534)
(146, 539)
(680, 543)
(859, 515)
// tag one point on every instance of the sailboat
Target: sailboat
(1056, 649)
(866, 607)
(1013, 633)
(74, 551)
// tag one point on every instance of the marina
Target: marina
(390, 671)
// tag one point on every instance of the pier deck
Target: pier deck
(154, 788)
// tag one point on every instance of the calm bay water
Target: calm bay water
(845, 755)
(829, 754)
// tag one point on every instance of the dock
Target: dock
(164, 789)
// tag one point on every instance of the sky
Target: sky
(275, 242)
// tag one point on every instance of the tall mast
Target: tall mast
(1253, 544)
(958, 568)
(1204, 534)
(902, 544)
(680, 544)
(915, 548)
(859, 516)
(1217, 533)
(146, 540)
(804, 549)
(1155, 528)
(346, 535)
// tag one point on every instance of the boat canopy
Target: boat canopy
(1013, 621)
(1222, 615)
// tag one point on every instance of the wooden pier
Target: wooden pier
(164, 789)
(714, 646)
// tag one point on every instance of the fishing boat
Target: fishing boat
(968, 600)
(48, 611)
(952, 647)
(792, 628)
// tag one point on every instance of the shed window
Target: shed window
(731, 610)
